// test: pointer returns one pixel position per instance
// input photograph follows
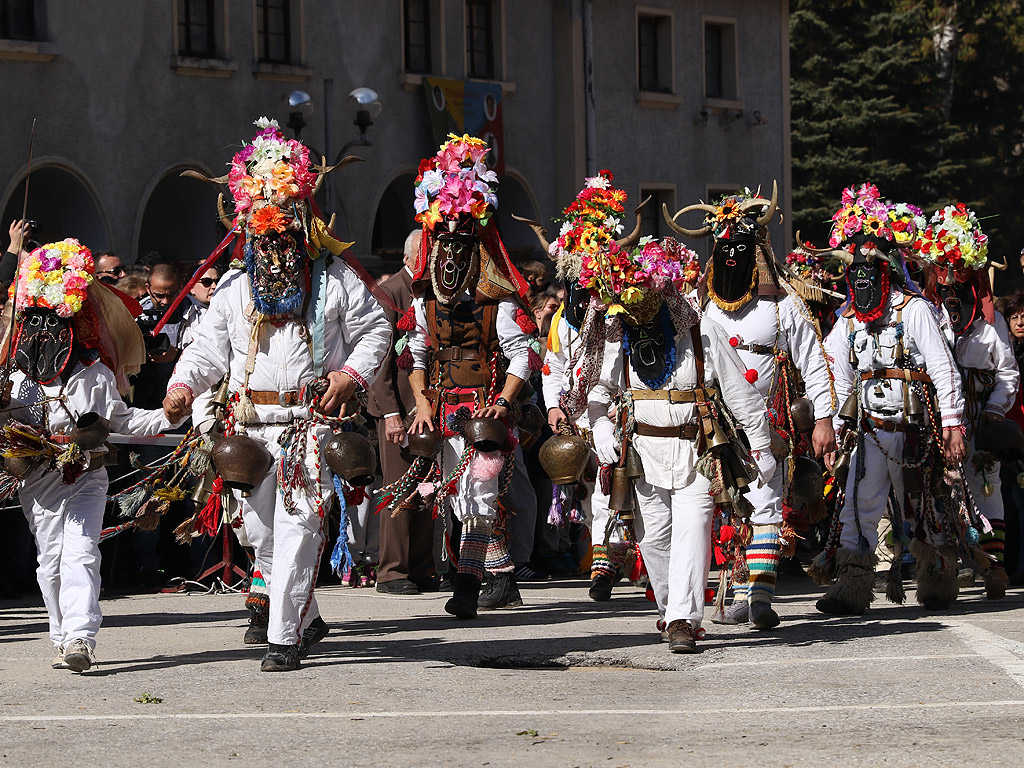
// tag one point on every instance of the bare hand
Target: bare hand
(177, 404)
(491, 412)
(422, 421)
(18, 232)
(555, 417)
(953, 446)
(394, 430)
(340, 389)
(823, 438)
(830, 460)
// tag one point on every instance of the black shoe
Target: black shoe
(935, 604)
(762, 615)
(500, 591)
(446, 584)
(280, 658)
(397, 587)
(311, 635)
(601, 588)
(465, 593)
(428, 584)
(256, 634)
(835, 607)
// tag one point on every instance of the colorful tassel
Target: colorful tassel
(208, 519)
(525, 322)
(405, 361)
(341, 557)
(407, 321)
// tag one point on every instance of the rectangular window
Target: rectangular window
(653, 222)
(480, 39)
(720, 81)
(17, 19)
(274, 31)
(654, 53)
(417, 36)
(196, 29)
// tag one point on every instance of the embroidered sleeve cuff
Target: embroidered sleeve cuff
(356, 377)
(953, 422)
(389, 415)
(181, 385)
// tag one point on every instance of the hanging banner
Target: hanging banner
(460, 106)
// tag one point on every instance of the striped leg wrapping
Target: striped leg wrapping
(994, 543)
(498, 559)
(473, 547)
(763, 562)
(258, 597)
(601, 565)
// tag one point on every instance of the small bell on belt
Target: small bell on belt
(915, 409)
(715, 434)
(849, 411)
(633, 465)
(621, 494)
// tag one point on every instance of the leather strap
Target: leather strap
(452, 398)
(895, 373)
(683, 432)
(757, 349)
(872, 423)
(698, 353)
(701, 394)
(283, 399)
(456, 354)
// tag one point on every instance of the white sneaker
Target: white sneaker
(78, 656)
(58, 660)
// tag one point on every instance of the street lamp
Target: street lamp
(300, 107)
(363, 105)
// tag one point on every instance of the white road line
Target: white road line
(836, 659)
(1004, 653)
(916, 705)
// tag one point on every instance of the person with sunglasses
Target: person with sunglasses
(108, 267)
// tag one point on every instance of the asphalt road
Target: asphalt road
(562, 681)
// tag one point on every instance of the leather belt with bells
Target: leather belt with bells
(284, 399)
(874, 423)
(700, 394)
(682, 432)
(895, 373)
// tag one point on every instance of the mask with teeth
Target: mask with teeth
(455, 264)
(868, 282)
(961, 303)
(44, 345)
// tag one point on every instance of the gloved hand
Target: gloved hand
(604, 442)
(766, 464)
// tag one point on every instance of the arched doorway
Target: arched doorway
(514, 197)
(63, 206)
(180, 219)
(393, 221)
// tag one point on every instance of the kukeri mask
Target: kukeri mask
(961, 303)
(455, 265)
(275, 263)
(44, 345)
(733, 275)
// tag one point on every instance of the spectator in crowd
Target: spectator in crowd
(406, 564)
(543, 308)
(108, 267)
(536, 274)
(1013, 496)
(137, 270)
(198, 302)
(133, 285)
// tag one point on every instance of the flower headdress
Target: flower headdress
(456, 181)
(628, 280)
(906, 222)
(55, 276)
(591, 222)
(807, 264)
(270, 169)
(953, 240)
(861, 212)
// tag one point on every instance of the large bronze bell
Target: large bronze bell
(733, 470)
(564, 457)
(19, 466)
(801, 411)
(780, 445)
(634, 465)
(485, 434)
(426, 443)
(350, 456)
(531, 421)
(849, 411)
(1003, 439)
(241, 461)
(808, 487)
(90, 431)
(841, 468)
(621, 495)
(713, 431)
(915, 410)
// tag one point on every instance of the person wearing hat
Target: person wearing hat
(746, 292)
(903, 414)
(470, 346)
(298, 335)
(954, 252)
(75, 342)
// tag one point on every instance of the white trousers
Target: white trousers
(674, 532)
(596, 513)
(66, 521)
(990, 506)
(767, 499)
(288, 546)
(522, 499)
(472, 498)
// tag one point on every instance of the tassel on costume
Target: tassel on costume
(823, 568)
(855, 578)
(894, 591)
(208, 519)
(936, 573)
(244, 411)
(341, 558)
(485, 466)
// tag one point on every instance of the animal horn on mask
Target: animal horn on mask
(630, 240)
(694, 233)
(756, 202)
(538, 230)
(323, 169)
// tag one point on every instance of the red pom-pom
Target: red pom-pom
(546, 370)
(405, 361)
(407, 321)
(535, 362)
(649, 594)
(734, 341)
(725, 533)
(525, 322)
(709, 596)
(750, 375)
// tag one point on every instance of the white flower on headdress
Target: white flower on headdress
(420, 200)
(265, 122)
(431, 183)
(612, 224)
(54, 293)
(598, 182)
(566, 226)
(484, 173)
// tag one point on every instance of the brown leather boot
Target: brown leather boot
(681, 637)
(996, 582)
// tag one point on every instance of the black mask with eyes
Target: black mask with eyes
(651, 347)
(961, 303)
(868, 282)
(45, 345)
(275, 264)
(732, 271)
(455, 265)
(576, 302)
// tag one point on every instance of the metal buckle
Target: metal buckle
(455, 354)
(288, 399)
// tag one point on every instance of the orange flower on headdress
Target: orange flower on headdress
(269, 218)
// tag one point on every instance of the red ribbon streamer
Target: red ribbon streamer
(195, 279)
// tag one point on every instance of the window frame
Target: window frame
(33, 20)
(662, 192)
(664, 42)
(489, 28)
(261, 32)
(184, 49)
(430, 23)
(729, 61)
